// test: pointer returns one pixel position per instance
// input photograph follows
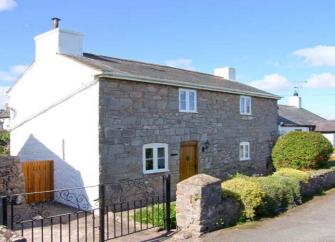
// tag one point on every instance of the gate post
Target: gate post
(167, 202)
(101, 212)
(4, 207)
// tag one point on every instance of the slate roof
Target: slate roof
(167, 74)
(4, 113)
(292, 116)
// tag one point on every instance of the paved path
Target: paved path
(313, 221)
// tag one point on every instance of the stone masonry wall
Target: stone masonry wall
(11, 177)
(133, 114)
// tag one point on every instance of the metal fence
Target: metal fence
(70, 216)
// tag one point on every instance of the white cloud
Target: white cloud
(320, 55)
(7, 5)
(12, 73)
(273, 82)
(322, 80)
(182, 63)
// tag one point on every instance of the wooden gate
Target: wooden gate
(38, 177)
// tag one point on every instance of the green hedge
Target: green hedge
(289, 172)
(301, 150)
(265, 196)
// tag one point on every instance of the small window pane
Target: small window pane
(246, 151)
(149, 153)
(161, 152)
(241, 151)
(248, 103)
(242, 109)
(183, 100)
(191, 101)
(149, 165)
(161, 163)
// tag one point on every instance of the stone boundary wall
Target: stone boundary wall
(200, 206)
(11, 176)
(10, 236)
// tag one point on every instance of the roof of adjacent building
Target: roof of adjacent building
(131, 70)
(293, 116)
(4, 113)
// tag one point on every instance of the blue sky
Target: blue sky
(274, 45)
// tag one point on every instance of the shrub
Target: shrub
(155, 215)
(301, 150)
(289, 172)
(280, 193)
(4, 142)
(247, 191)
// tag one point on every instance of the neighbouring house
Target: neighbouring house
(4, 119)
(293, 117)
(104, 119)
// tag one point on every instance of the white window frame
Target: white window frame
(187, 101)
(245, 155)
(155, 147)
(243, 105)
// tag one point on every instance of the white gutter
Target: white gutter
(167, 82)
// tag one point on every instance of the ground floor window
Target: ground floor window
(244, 151)
(155, 158)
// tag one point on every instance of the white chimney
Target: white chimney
(58, 41)
(295, 100)
(225, 72)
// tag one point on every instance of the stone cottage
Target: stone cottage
(104, 119)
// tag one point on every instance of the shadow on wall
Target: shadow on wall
(65, 176)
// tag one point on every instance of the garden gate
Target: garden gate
(128, 207)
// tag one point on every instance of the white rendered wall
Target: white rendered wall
(331, 138)
(283, 130)
(67, 129)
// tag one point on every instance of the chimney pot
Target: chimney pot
(55, 22)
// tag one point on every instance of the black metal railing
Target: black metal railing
(70, 216)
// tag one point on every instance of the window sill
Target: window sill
(246, 114)
(246, 159)
(188, 111)
(155, 171)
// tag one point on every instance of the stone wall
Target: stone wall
(133, 114)
(6, 235)
(320, 180)
(200, 207)
(11, 177)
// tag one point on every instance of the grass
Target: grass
(155, 215)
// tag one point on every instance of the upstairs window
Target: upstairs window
(244, 151)
(245, 105)
(187, 100)
(155, 158)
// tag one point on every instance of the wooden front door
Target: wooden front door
(38, 177)
(188, 164)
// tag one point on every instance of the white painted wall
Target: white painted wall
(56, 117)
(283, 130)
(5, 122)
(331, 138)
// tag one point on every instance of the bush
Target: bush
(265, 196)
(4, 142)
(155, 215)
(301, 150)
(280, 193)
(247, 191)
(289, 172)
